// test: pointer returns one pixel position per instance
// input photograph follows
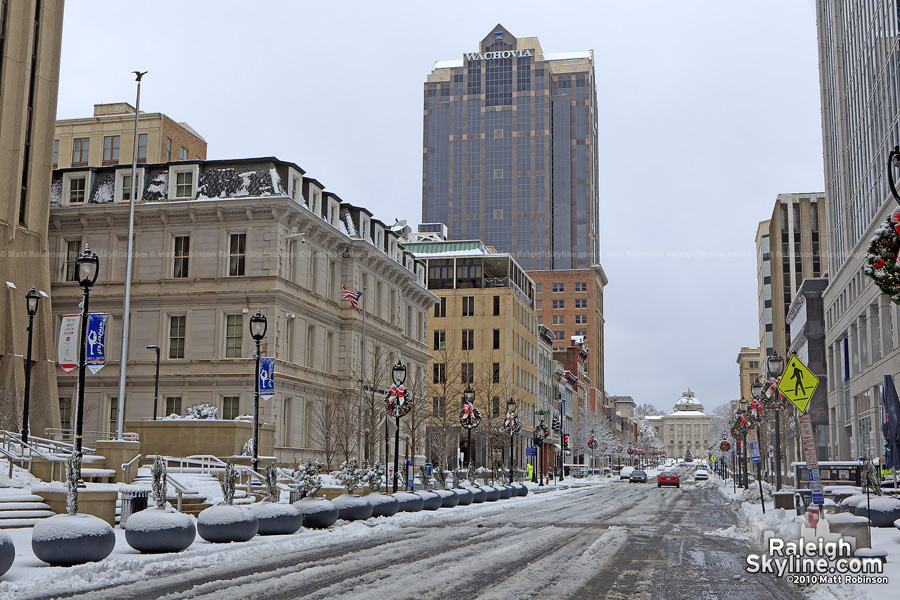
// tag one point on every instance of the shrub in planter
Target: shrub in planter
(7, 553)
(159, 529)
(383, 504)
(352, 507)
(433, 501)
(410, 502)
(466, 496)
(449, 498)
(318, 513)
(273, 517)
(883, 511)
(72, 539)
(226, 522)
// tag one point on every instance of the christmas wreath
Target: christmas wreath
(724, 446)
(511, 424)
(541, 432)
(469, 416)
(398, 404)
(592, 443)
(882, 257)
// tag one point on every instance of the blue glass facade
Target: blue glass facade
(519, 169)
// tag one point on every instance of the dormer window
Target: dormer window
(295, 189)
(316, 203)
(124, 187)
(183, 181)
(76, 187)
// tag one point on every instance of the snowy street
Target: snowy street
(617, 540)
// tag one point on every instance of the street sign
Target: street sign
(542, 412)
(798, 384)
(388, 426)
(753, 442)
(731, 422)
(530, 451)
(812, 462)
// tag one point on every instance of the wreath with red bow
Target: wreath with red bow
(469, 416)
(541, 432)
(881, 262)
(724, 446)
(592, 443)
(511, 424)
(398, 402)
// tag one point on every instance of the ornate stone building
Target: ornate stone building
(687, 426)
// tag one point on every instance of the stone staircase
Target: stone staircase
(22, 510)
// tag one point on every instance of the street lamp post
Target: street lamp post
(540, 433)
(744, 477)
(86, 268)
(32, 298)
(398, 376)
(773, 367)
(258, 327)
(156, 381)
(468, 409)
(512, 425)
(592, 444)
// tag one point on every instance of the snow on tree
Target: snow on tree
(73, 470)
(374, 477)
(160, 480)
(202, 411)
(647, 410)
(440, 475)
(228, 482)
(247, 450)
(350, 475)
(272, 492)
(308, 479)
(688, 457)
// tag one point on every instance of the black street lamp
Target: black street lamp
(86, 268)
(744, 479)
(156, 384)
(258, 326)
(774, 365)
(511, 415)
(469, 405)
(32, 298)
(893, 162)
(540, 433)
(398, 375)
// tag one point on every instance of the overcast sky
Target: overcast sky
(707, 111)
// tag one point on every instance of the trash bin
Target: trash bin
(132, 501)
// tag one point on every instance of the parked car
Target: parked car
(638, 477)
(668, 478)
(625, 473)
(701, 475)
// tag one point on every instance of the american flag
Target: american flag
(351, 296)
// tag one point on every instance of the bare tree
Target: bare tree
(492, 390)
(347, 418)
(413, 423)
(647, 410)
(375, 381)
(325, 426)
(444, 387)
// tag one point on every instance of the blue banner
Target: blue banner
(267, 377)
(530, 451)
(95, 355)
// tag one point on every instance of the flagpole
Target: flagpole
(362, 355)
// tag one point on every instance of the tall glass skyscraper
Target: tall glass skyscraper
(510, 151)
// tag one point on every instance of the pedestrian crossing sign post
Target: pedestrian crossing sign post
(798, 384)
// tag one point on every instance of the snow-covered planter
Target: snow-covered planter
(493, 494)
(275, 518)
(506, 492)
(883, 511)
(318, 513)
(449, 498)
(466, 496)
(521, 489)
(152, 531)
(433, 501)
(352, 507)
(72, 539)
(7, 553)
(410, 502)
(479, 494)
(226, 522)
(383, 505)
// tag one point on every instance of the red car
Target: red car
(668, 478)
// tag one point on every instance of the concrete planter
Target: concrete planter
(851, 525)
(506, 492)
(7, 553)
(410, 502)
(352, 507)
(275, 518)
(466, 496)
(433, 500)
(383, 505)
(318, 513)
(521, 489)
(227, 523)
(66, 540)
(152, 531)
(449, 498)
(493, 494)
(884, 511)
(479, 495)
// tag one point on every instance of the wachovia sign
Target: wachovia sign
(501, 54)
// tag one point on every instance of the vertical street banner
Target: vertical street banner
(753, 442)
(67, 348)
(266, 377)
(410, 474)
(95, 357)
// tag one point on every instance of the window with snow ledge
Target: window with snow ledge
(183, 181)
(124, 187)
(334, 209)
(76, 188)
(316, 207)
(295, 186)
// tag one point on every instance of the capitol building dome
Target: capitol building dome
(688, 402)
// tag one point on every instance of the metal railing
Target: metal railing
(207, 464)
(89, 438)
(127, 467)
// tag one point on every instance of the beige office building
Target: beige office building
(214, 242)
(30, 44)
(750, 368)
(107, 139)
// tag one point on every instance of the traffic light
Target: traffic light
(566, 441)
(556, 424)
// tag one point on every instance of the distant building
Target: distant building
(750, 369)
(686, 427)
(214, 242)
(107, 139)
(30, 41)
(510, 151)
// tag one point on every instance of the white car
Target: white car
(625, 473)
(701, 475)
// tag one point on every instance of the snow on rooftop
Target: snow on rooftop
(569, 55)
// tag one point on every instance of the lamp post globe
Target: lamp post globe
(258, 326)
(398, 373)
(31, 299)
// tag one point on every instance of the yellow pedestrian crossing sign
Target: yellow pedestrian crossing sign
(798, 384)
